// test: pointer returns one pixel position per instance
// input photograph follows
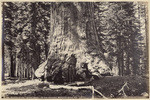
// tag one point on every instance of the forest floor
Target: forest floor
(132, 87)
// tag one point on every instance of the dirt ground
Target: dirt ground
(136, 87)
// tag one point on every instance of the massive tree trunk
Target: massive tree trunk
(69, 35)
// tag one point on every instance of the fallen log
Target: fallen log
(69, 87)
(77, 88)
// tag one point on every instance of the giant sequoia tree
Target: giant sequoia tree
(106, 35)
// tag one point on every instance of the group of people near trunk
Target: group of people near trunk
(63, 69)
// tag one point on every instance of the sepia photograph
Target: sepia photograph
(75, 50)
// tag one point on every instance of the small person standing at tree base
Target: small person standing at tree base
(72, 68)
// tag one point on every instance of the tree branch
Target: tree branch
(122, 89)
